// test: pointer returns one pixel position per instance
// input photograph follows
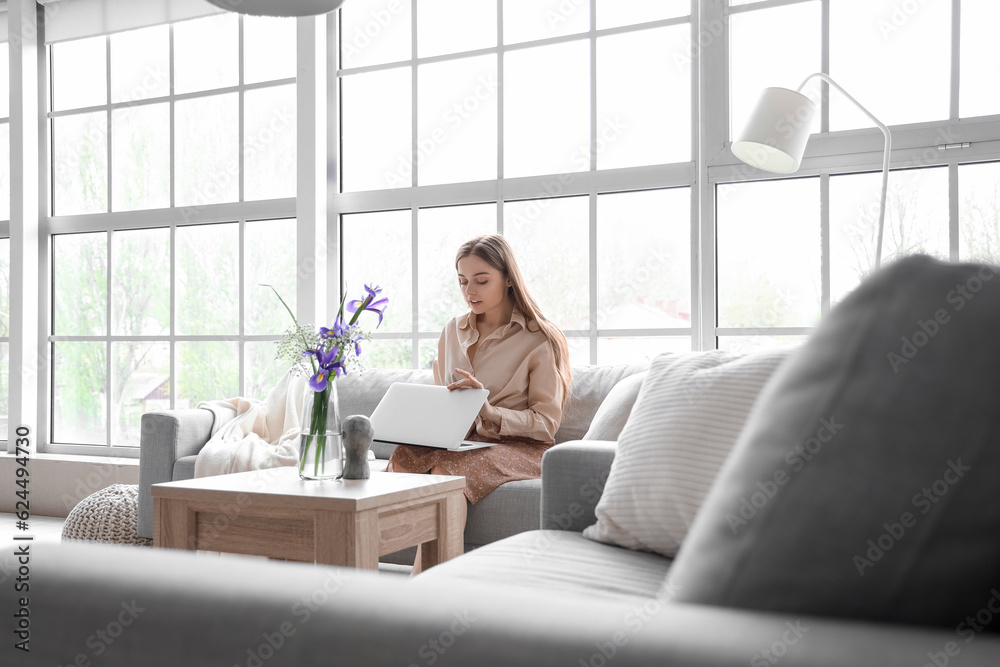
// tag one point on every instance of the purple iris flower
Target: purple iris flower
(328, 363)
(370, 302)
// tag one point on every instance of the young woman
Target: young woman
(504, 344)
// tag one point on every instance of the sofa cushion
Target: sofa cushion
(557, 561)
(590, 385)
(512, 508)
(686, 418)
(864, 484)
(615, 409)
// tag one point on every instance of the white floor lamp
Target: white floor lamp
(776, 134)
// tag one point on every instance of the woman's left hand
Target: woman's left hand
(468, 381)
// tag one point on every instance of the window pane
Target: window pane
(378, 249)
(978, 94)
(4, 80)
(768, 255)
(760, 44)
(206, 53)
(373, 32)
(635, 350)
(79, 73)
(79, 393)
(207, 150)
(375, 142)
(559, 280)
(644, 259)
(4, 388)
(979, 212)
(4, 288)
(546, 118)
(579, 351)
(643, 113)
(140, 382)
(442, 231)
(428, 354)
(140, 279)
(269, 148)
(913, 55)
(140, 64)
(208, 279)
(140, 141)
(270, 260)
(80, 284)
(916, 221)
(4, 333)
(450, 26)
(206, 371)
(268, 48)
(4, 171)
(457, 116)
(527, 20)
(750, 344)
(261, 370)
(388, 353)
(80, 150)
(612, 13)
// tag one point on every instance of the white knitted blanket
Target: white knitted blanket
(250, 434)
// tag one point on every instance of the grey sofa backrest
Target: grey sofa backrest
(359, 393)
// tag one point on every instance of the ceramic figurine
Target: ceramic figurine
(357, 434)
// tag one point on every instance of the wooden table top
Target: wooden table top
(283, 487)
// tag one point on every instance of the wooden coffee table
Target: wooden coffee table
(348, 522)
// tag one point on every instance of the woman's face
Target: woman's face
(483, 287)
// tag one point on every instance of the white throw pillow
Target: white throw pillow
(610, 418)
(687, 416)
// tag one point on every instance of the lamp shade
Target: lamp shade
(776, 134)
(279, 7)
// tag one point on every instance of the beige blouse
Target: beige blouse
(518, 368)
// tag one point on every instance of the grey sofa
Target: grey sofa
(545, 597)
(170, 441)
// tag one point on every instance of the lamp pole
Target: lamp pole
(885, 157)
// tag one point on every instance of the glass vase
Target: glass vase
(321, 447)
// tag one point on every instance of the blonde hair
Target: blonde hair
(496, 251)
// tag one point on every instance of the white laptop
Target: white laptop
(428, 415)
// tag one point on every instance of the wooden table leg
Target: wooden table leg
(347, 539)
(174, 524)
(451, 532)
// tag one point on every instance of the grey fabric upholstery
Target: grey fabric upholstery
(864, 485)
(573, 478)
(200, 610)
(590, 385)
(561, 562)
(166, 437)
(184, 468)
(498, 515)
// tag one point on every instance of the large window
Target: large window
(790, 249)
(173, 162)
(4, 239)
(570, 132)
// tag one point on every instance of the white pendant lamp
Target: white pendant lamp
(279, 7)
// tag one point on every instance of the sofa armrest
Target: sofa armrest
(165, 437)
(573, 477)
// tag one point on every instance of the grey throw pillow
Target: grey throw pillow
(864, 484)
(615, 409)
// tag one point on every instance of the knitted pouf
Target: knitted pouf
(109, 515)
